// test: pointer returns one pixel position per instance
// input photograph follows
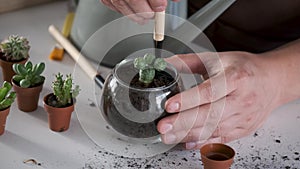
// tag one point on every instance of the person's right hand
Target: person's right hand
(138, 10)
(240, 91)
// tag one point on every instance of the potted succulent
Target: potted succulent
(28, 83)
(6, 99)
(148, 66)
(135, 93)
(60, 103)
(14, 49)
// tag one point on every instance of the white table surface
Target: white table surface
(275, 145)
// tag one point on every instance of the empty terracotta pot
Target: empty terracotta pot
(58, 117)
(217, 156)
(3, 115)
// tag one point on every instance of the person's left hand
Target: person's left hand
(234, 101)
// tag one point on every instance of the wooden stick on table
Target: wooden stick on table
(76, 55)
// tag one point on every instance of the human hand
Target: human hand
(233, 102)
(140, 10)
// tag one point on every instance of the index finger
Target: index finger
(209, 91)
(141, 8)
(146, 9)
(201, 63)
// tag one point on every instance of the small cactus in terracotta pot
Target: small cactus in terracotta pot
(28, 83)
(60, 103)
(6, 99)
(14, 49)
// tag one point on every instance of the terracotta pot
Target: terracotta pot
(58, 117)
(7, 70)
(217, 156)
(27, 98)
(3, 115)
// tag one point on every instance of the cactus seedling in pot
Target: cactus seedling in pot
(147, 66)
(6, 99)
(60, 103)
(63, 91)
(28, 83)
(15, 49)
(151, 74)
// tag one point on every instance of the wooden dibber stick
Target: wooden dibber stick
(159, 32)
(159, 26)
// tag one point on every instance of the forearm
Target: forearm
(284, 63)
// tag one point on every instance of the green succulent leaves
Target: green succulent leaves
(15, 48)
(160, 64)
(63, 90)
(28, 75)
(6, 97)
(147, 66)
(147, 75)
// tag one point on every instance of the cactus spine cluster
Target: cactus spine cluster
(63, 90)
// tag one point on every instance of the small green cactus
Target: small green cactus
(15, 48)
(6, 97)
(64, 91)
(28, 75)
(147, 66)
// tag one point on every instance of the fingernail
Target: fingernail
(160, 8)
(166, 128)
(173, 107)
(190, 145)
(170, 139)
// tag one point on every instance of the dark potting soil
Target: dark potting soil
(161, 79)
(52, 101)
(217, 156)
(140, 100)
